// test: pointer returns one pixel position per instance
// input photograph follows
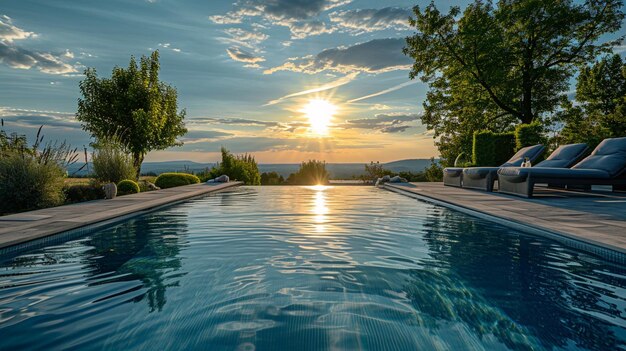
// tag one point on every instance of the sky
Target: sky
(245, 72)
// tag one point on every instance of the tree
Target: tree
(133, 105)
(601, 109)
(494, 66)
(271, 178)
(238, 167)
(312, 172)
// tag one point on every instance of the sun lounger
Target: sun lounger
(605, 166)
(484, 177)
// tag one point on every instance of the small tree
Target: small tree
(134, 105)
(311, 172)
(238, 167)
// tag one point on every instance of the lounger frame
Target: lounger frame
(485, 183)
(526, 187)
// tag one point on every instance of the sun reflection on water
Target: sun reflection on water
(319, 208)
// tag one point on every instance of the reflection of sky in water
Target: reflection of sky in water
(310, 268)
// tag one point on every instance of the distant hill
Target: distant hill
(336, 170)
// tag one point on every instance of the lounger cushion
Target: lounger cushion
(478, 172)
(609, 156)
(532, 152)
(514, 174)
(564, 156)
(453, 171)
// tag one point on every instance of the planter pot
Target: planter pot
(110, 190)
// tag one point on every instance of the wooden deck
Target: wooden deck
(597, 218)
(23, 227)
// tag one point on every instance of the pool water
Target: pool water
(310, 268)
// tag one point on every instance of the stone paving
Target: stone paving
(597, 218)
(23, 227)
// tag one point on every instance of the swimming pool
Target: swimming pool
(310, 268)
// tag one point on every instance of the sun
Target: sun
(320, 113)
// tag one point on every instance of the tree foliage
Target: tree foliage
(601, 109)
(238, 167)
(134, 105)
(312, 172)
(271, 178)
(494, 66)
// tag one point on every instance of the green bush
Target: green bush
(83, 192)
(237, 167)
(171, 180)
(312, 172)
(26, 184)
(529, 135)
(271, 178)
(492, 149)
(127, 186)
(434, 172)
(111, 163)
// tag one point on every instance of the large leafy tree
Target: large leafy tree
(492, 66)
(132, 105)
(601, 109)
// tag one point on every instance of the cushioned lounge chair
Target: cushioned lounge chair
(605, 166)
(484, 177)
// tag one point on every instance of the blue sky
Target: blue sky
(243, 71)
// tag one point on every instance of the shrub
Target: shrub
(374, 171)
(26, 184)
(312, 172)
(111, 163)
(83, 192)
(32, 177)
(127, 186)
(434, 172)
(529, 134)
(171, 180)
(240, 167)
(271, 178)
(492, 149)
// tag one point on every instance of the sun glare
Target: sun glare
(319, 112)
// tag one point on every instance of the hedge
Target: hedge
(528, 135)
(127, 186)
(83, 192)
(170, 180)
(492, 149)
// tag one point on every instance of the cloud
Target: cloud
(9, 32)
(168, 46)
(233, 121)
(36, 118)
(197, 136)
(332, 85)
(240, 55)
(370, 20)
(389, 90)
(301, 30)
(15, 56)
(374, 56)
(384, 123)
(298, 15)
(246, 38)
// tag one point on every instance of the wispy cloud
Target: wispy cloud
(384, 123)
(332, 85)
(299, 16)
(382, 92)
(18, 57)
(369, 20)
(241, 55)
(374, 56)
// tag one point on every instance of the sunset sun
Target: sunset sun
(319, 112)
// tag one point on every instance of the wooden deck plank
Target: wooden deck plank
(595, 218)
(23, 227)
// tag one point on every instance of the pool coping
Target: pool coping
(17, 234)
(605, 250)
